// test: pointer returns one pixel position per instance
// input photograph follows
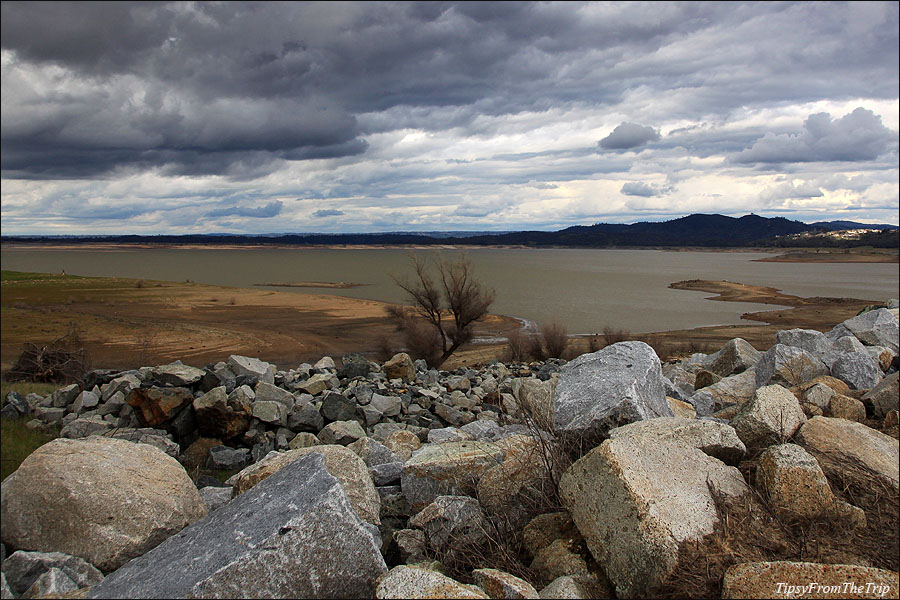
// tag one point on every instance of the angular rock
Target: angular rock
(787, 365)
(522, 480)
(400, 366)
(386, 473)
(812, 341)
(389, 406)
(82, 428)
(177, 375)
(710, 437)
(274, 413)
(845, 407)
(22, 569)
(373, 452)
(402, 443)
(559, 558)
(858, 370)
(252, 368)
(342, 432)
(155, 406)
(735, 357)
(634, 519)
(876, 328)
(266, 392)
(51, 583)
(354, 365)
(579, 587)
(499, 584)
(849, 450)
(542, 530)
(316, 384)
(337, 407)
(86, 400)
(600, 391)
(783, 579)
(819, 395)
(771, 417)
(215, 497)
(109, 500)
(65, 396)
(705, 378)
(303, 440)
(451, 468)
(324, 363)
(220, 415)
(123, 384)
(341, 462)
(681, 409)
(797, 488)
(736, 389)
(451, 522)
(294, 535)
(305, 417)
(154, 437)
(885, 396)
(415, 582)
(223, 457)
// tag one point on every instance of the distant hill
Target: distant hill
(701, 230)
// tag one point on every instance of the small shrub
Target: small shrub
(614, 336)
(517, 346)
(63, 360)
(555, 338)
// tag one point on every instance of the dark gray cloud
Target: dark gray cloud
(628, 135)
(644, 190)
(858, 136)
(272, 209)
(327, 212)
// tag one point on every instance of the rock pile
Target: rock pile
(352, 477)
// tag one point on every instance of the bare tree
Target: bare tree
(447, 300)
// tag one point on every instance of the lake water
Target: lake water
(583, 289)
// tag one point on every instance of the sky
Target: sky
(205, 117)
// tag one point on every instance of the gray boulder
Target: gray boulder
(266, 392)
(736, 389)
(858, 370)
(108, 500)
(22, 569)
(876, 328)
(450, 468)
(710, 437)
(223, 457)
(787, 365)
(251, 367)
(274, 413)
(735, 357)
(771, 417)
(884, 397)
(293, 535)
(451, 520)
(812, 341)
(82, 428)
(177, 375)
(606, 389)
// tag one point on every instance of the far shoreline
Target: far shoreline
(789, 255)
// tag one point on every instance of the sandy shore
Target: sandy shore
(125, 323)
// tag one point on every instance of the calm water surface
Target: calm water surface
(583, 289)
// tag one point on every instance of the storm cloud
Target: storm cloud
(435, 115)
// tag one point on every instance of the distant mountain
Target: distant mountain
(694, 230)
(844, 225)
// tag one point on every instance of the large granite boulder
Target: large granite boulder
(771, 417)
(455, 521)
(108, 500)
(602, 390)
(450, 468)
(859, 370)
(715, 439)
(341, 462)
(797, 488)
(294, 535)
(849, 450)
(812, 341)
(788, 366)
(875, 328)
(416, 582)
(637, 499)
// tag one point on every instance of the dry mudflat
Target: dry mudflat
(126, 322)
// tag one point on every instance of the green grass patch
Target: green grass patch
(27, 388)
(17, 442)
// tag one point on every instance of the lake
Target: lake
(584, 290)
